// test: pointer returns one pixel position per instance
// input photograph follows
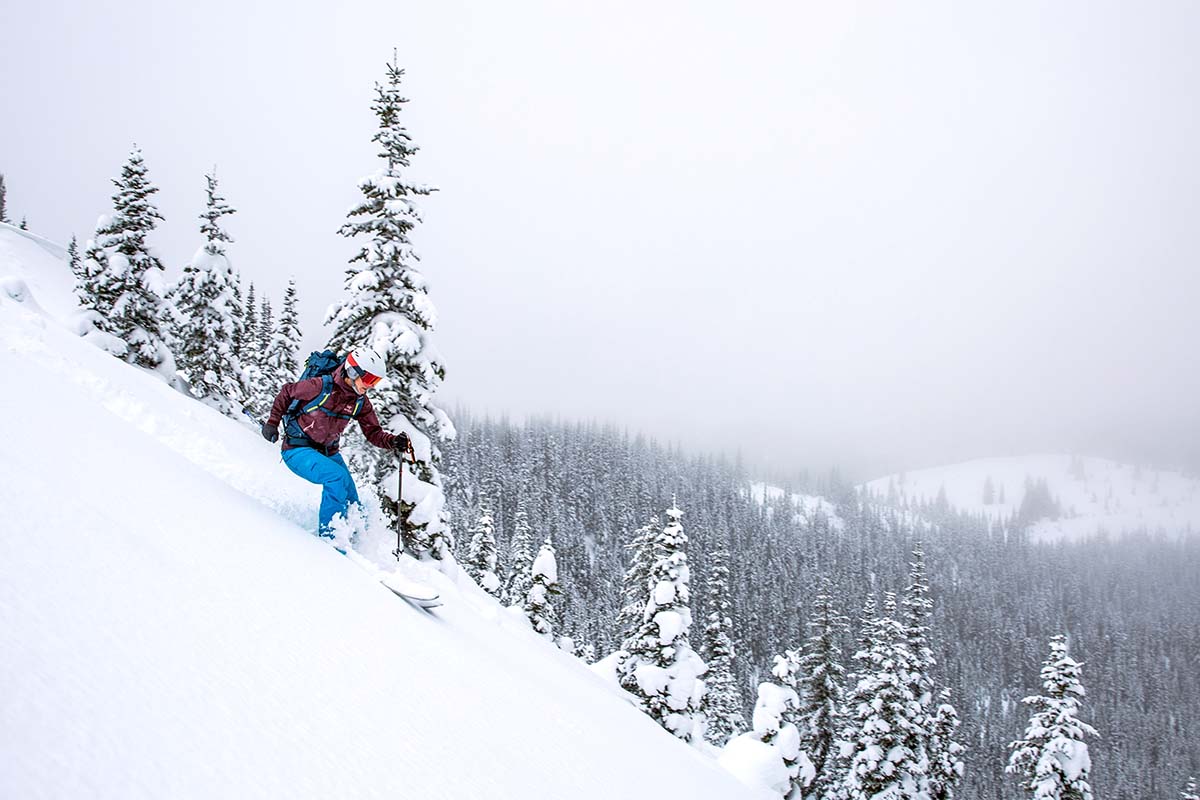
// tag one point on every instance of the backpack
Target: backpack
(319, 364)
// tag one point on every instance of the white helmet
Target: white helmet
(366, 360)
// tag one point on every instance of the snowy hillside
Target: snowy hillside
(170, 628)
(808, 506)
(1087, 495)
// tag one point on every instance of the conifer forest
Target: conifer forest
(1131, 605)
(871, 645)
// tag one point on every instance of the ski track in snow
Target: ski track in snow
(170, 628)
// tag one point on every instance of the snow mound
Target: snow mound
(169, 627)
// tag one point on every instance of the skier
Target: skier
(315, 411)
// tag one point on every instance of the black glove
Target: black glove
(270, 432)
(400, 442)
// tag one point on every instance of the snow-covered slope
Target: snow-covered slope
(169, 627)
(808, 506)
(1094, 494)
(41, 264)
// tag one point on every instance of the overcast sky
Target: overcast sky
(879, 235)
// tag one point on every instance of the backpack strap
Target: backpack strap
(318, 402)
(322, 396)
(295, 433)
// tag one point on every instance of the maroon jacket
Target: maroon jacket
(322, 428)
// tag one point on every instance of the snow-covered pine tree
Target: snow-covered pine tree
(3, 200)
(942, 753)
(1052, 760)
(543, 584)
(74, 259)
(881, 715)
(822, 685)
(283, 359)
(204, 309)
(722, 701)
(480, 562)
(97, 289)
(240, 323)
(520, 558)
(24, 224)
(123, 280)
(268, 383)
(251, 357)
(386, 306)
(266, 327)
(1190, 792)
(251, 342)
(773, 710)
(659, 665)
(945, 753)
(916, 609)
(635, 587)
(786, 671)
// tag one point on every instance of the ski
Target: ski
(420, 595)
(416, 593)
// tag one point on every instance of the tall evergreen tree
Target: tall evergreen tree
(542, 585)
(97, 288)
(1052, 759)
(3, 200)
(480, 562)
(123, 280)
(659, 665)
(74, 259)
(215, 207)
(945, 753)
(386, 306)
(252, 335)
(635, 585)
(283, 358)
(722, 700)
(916, 609)
(205, 307)
(520, 558)
(882, 717)
(822, 685)
(266, 329)
(240, 323)
(251, 356)
(268, 380)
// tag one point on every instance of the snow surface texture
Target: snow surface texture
(169, 628)
(1094, 494)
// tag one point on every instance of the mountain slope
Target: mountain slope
(170, 628)
(1092, 494)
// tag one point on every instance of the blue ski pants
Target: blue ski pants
(337, 487)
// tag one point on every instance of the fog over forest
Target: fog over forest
(878, 237)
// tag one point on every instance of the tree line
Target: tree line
(1129, 605)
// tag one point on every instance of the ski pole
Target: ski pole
(399, 508)
(400, 497)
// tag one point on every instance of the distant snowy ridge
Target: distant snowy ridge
(53, 248)
(169, 627)
(808, 506)
(1060, 497)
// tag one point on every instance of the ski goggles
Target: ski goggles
(354, 372)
